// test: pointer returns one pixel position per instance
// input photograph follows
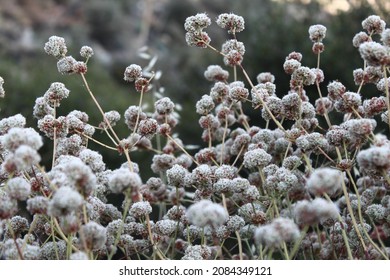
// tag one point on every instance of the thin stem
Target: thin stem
(96, 141)
(182, 148)
(343, 233)
(139, 110)
(350, 210)
(99, 108)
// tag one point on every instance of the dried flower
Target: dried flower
(216, 73)
(64, 201)
(205, 213)
(278, 231)
(55, 93)
(231, 22)
(315, 211)
(86, 52)
(324, 180)
(204, 105)
(132, 73)
(257, 158)
(19, 188)
(123, 179)
(92, 236)
(374, 160)
(56, 47)
(140, 209)
(374, 53)
(317, 33)
(373, 24)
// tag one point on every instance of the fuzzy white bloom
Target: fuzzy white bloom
(25, 157)
(197, 252)
(78, 256)
(64, 201)
(92, 235)
(279, 230)
(123, 179)
(56, 47)
(140, 209)
(205, 213)
(86, 52)
(176, 175)
(374, 159)
(315, 211)
(324, 180)
(256, 158)
(18, 188)
(17, 136)
(317, 32)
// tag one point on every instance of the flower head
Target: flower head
(278, 231)
(56, 47)
(317, 33)
(374, 24)
(205, 213)
(324, 180)
(231, 22)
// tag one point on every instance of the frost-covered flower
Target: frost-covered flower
(312, 142)
(374, 24)
(64, 201)
(24, 158)
(92, 159)
(233, 23)
(56, 47)
(176, 175)
(123, 179)
(37, 205)
(78, 174)
(256, 158)
(376, 212)
(8, 206)
(205, 213)
(132, 72)
(140, 209)
(324, 180)
(92, 236)
(17, 136)
(55, 93)
(374, 54)
(317, 33)
(360, 38)
(166, 227)
(278, 231)
(374, 160)
(216, 73)
(147, 128)
(303, 75)
(86, 52)
(164, 106)
(18, 188)
(205, 105)
(13, 121)
(197, 252)
(315, 211)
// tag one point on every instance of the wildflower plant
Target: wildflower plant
(304, 186)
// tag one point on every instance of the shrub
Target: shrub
(299, 190)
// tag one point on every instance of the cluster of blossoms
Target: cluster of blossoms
(300, 188)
